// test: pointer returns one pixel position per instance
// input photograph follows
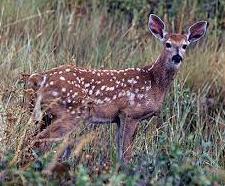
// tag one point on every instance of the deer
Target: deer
(121, 96)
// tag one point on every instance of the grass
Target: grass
(184, 145)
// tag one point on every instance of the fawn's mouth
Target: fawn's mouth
(177, 59)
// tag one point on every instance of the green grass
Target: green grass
(183, 145)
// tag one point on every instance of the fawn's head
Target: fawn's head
(175, 44)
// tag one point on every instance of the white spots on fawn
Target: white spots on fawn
(55, 94)
(99, 101)
(74, 95)
(109, 89)
(78, 79)
(117, 82)
(148, 88)
(87, 85)
(114, 97)
(107, 99)
(131, 97)
(132, 81)
(103, 87)
(83, 70)
(97, 93)
(130, 94)
(138, 69)
(129, 69)
(100, 84)
(121, 94)
(90, 92)
(77, 85)
(140, 96)
(62, 78)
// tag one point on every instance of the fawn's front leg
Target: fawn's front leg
(125, 131)
(129, 128)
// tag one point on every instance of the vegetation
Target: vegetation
(184, 145)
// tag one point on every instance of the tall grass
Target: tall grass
(189, 132)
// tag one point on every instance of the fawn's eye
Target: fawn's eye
(184, 47)
(168, 45)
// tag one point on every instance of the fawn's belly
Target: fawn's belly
(103, 114)
(110, 113)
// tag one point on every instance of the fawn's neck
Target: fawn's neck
(161, 73)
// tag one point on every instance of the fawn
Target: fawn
(124, 96)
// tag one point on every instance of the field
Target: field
(183, 145)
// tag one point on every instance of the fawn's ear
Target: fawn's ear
(156, 26)
(196, 31)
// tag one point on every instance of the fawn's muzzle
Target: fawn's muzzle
(177, 58)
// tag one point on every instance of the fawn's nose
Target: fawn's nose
(177, 58)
